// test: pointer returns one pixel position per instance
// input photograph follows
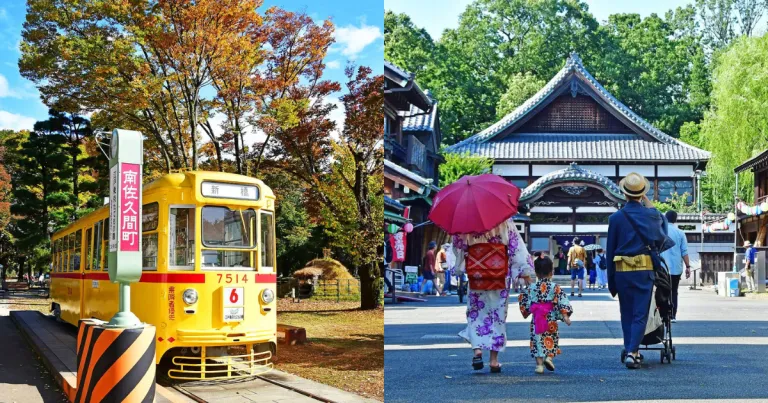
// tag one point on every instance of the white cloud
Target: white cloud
(337, 115)
(7, 92)
(333, 64)
(354, 39)
(13, 121)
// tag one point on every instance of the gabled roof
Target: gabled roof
(573, 173)
(575, 75)
(396, 74)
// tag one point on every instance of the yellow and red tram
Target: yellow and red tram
(208, 276)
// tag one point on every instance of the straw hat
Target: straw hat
(634, 185)
(747, 244)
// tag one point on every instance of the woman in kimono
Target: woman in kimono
(487, 309)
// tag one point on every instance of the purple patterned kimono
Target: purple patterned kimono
(487, 309)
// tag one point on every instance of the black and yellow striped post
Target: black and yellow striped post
(115, 364)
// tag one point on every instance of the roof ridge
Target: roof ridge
(573, 64)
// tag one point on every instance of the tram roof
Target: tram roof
(186, 179)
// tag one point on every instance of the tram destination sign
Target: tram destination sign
(229, 190)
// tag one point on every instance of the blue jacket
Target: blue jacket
(624, 241)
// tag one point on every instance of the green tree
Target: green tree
(458, 165)
(519, 88)
(735, 126)
(678, 203)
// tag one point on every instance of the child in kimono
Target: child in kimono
(547, 303)
(592, 276)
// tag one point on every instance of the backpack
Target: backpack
(601, 263)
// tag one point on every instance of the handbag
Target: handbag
(487, 266)
(654, 317)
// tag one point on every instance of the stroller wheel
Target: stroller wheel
(661, 353)
(673, 353)
(623, 355)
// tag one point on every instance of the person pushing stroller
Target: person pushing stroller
(636, 235)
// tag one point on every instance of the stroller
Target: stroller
(660, 339)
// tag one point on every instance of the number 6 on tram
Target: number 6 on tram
(208, 276)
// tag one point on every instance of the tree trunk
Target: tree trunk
(370, 286)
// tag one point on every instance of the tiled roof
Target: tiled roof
(408, 174)
(572, 173)
(695, 217)
(574, 66)
(392, 203)
(580, 147)
(417, 120)
(394, 72)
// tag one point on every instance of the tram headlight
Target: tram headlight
(267, 296)
(189, 296)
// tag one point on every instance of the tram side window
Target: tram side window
(58, 255)
(104, 240)
(267, 240)
(55, 255)
(88, 247)
(78, 246)
(149, 218)
(96, 257)
(71, 251)
(181, 245)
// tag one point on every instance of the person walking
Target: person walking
(577, 252)
(602, 269)
(487, 308)
(562, 263)
(749, 264)
(442, 271)
(548, 304)
(675, 257)
(635, 233)
(428, 271)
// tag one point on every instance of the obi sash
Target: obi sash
(540, 310)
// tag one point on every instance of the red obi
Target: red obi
(487, 266)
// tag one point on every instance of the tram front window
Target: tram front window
(224, 231)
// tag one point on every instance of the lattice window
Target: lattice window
(567, 114)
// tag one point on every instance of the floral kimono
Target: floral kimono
(487, 309)
(545, 293)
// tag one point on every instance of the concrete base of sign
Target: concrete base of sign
(56, 344)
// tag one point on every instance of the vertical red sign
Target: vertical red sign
(130, 186)
(398, 242)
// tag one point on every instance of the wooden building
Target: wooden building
(569, 145)
(754, 228)
(411, 144)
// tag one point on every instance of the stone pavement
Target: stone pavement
(23, 378)
(721, 344)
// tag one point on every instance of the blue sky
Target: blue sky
(359, 37)
(437, 15)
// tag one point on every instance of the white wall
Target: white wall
(511, 169)
(541, 170)
(565, 228)
(591, 228)
(545, 209)
(595, 209)
(675, 170)
(645, 170)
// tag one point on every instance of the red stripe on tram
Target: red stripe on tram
(196, 278)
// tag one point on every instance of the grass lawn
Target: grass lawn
(345, 349)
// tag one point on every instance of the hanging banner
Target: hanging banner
(566, 241)
(398, 246)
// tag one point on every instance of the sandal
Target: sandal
(549, 364)
(631, 362)
(477, 362)
(495, 369)
(539, 369)
(579, 295)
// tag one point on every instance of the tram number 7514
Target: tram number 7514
(230, 278)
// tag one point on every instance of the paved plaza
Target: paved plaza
(721, 345)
